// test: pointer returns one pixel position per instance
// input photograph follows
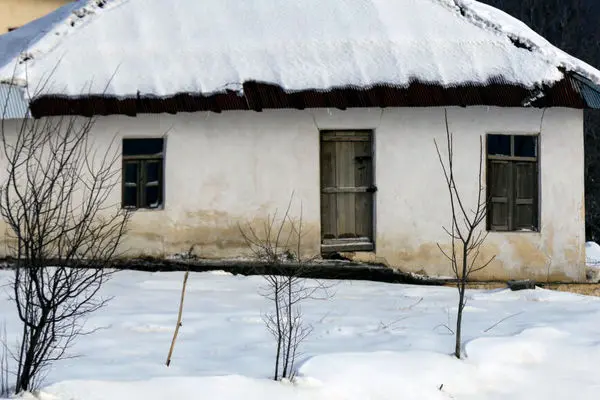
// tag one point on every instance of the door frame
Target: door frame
(362, 244)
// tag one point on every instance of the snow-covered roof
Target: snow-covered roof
(160, 48)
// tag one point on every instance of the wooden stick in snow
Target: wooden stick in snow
(185, 278)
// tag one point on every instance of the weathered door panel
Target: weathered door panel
(347, 190)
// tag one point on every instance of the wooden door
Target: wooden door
(347, 190)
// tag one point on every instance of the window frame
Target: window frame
(141, 184)
(512, 160)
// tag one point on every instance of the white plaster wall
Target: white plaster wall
(222, 170)
(412, 203)
(238, 167)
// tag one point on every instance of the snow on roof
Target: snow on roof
(20, 41)
(160, 48)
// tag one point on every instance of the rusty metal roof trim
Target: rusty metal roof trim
(258, 96)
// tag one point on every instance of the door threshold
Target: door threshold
(348, 246)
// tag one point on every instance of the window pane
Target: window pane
(138, 147)
(131, 172)
(152, 196)
(498, 145)
(130, 197)
(525, 146)
(153, 172)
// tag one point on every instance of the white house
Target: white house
(225, 108)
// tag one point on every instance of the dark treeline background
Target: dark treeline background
(573, 26)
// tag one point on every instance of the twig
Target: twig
(502, 320)
(444, 326)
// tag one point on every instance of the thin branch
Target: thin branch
(502, 320)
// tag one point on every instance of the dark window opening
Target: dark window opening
(142, 147)
(498, 145)
(512, 183)
(142, 173)
(525, 146)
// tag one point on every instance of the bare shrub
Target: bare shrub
(466, 234)
(280, 247)
(63, 233)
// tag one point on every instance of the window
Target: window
(142, 173)
(512, 182)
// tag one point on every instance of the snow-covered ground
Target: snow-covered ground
(592, 260)
(592, 254)
(371, 341)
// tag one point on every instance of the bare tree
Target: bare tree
(465, 231)
(280, 247)
(63, 233)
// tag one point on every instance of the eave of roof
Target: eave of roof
(259, 96)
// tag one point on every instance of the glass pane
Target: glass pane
(130, 197)
(498, 145)
(153, 172)
(152, 196)
(131, 173)
(138, 147)
(525, 146)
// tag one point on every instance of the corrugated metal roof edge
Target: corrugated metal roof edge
(12, 102)
(258, 96)
(589, 91)
(574, 91)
